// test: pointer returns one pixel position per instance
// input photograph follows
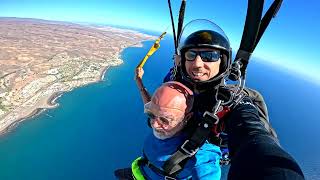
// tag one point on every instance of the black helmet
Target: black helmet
(202, 33)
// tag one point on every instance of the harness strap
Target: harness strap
(254, 29)
(189, 148)
(145, 162)
(220, 125)
(210, 126)
(224, 111)
(135, 167)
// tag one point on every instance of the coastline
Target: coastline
(52, 99)
(14, 124)
(46, 98)
(103, 72)
(49, 101)
(49, 104)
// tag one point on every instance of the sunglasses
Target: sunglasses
(206, 56)
(163, 120)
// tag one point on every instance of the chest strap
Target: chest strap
(209, 126)
(145, 162)
(191, 146)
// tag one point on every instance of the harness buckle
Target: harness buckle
(191, 152)
(169, 178)
(212, 115)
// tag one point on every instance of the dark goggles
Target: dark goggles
(206, 56)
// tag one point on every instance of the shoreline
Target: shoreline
(104, 70)
(50, 103)
(52, 99)
(14, 124)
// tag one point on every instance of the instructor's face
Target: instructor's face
(199, 70)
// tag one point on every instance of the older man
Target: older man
(169, 111)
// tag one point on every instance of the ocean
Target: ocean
(101, 127)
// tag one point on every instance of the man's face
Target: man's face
(199, 70)
(165, 124)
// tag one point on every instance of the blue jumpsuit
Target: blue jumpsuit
(204, 165)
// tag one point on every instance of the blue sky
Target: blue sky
(292, 39)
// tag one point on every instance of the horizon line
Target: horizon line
(305, 75)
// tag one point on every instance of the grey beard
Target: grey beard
(162, 136)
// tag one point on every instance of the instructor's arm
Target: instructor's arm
(255, 153)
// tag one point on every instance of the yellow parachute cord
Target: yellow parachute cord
(154, 48)
(136, 169)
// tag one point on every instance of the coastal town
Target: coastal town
(41, 59)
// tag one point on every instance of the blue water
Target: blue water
(101, 127)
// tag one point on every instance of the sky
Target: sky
(291, 40)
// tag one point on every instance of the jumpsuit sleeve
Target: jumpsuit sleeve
(255, 153)
(207, 165)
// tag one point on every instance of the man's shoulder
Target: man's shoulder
(246, 101)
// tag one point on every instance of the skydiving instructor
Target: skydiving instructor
(205, 60)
